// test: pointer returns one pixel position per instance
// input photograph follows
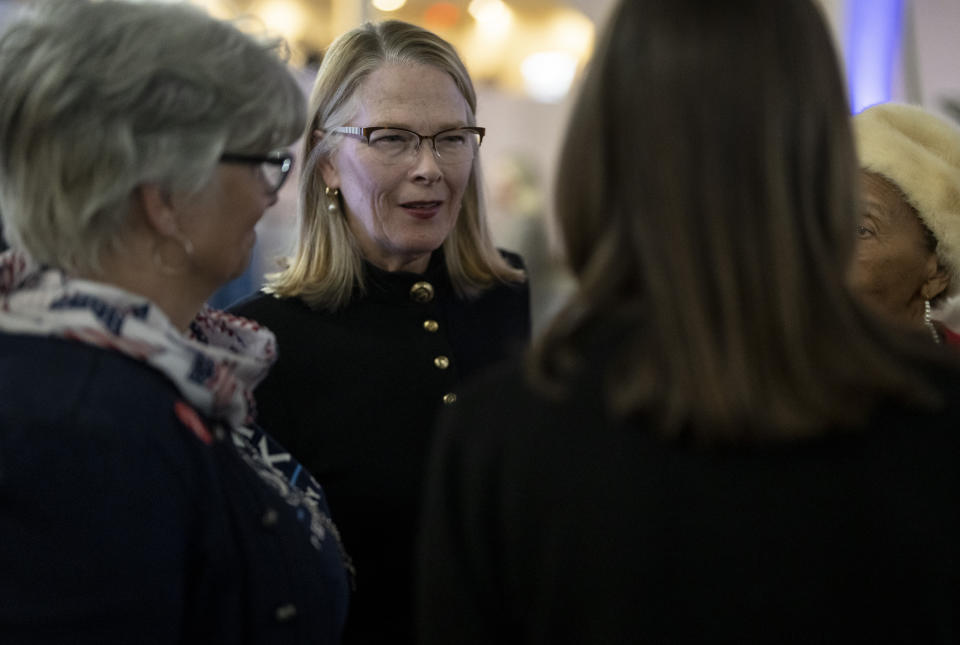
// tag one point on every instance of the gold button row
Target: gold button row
(422, 292)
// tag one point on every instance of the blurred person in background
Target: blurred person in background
(394, 297)
(907, 260)
(714, 442)
(139, 500)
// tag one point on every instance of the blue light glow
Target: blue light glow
(874, 28)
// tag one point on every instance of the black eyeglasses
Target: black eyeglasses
(274, 167)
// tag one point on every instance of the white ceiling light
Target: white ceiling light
(547, 76)
(283, 17)
(388, 5)
(494, 18)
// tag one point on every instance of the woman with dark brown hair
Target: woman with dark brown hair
(714, 442)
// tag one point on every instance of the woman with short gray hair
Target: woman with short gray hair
(139, 500)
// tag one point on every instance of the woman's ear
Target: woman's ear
(156, 203)
(937, 281)
(328, 171)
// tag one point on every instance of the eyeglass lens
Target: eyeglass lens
(451, 146)
(274, 172)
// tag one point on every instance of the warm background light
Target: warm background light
(572, 32)
(493, 17)
(501, 41)
(547, 76)
(441, 15)
(283, 17)
(388, 5)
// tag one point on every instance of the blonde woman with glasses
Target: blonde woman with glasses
(394, 296)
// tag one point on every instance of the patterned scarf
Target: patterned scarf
(215, 366)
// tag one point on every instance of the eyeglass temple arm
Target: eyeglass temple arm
(350, 130)
(279, 160)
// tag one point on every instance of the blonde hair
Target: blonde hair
(326, 269)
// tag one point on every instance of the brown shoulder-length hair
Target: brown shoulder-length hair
(326, 270)
(706, 197)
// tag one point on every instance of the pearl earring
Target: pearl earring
(333, 199)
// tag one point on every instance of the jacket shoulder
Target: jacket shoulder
(74, 375)
(78, 398)
(266, 307)
(513, 259)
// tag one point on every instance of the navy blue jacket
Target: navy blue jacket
(119, 523)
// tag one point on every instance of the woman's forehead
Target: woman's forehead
(881, 191)
(886, 204)
(411, 94)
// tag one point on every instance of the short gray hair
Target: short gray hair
(99, 98)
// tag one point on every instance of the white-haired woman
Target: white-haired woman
(139, 501)
(907, 260)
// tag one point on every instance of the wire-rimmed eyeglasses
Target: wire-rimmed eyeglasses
(274, 167)
(399, 145)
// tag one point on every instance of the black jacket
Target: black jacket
(550, 522)
(353, 396)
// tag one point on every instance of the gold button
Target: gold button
(270, 518)
(449, 398)
(421, 292)
(442, 362)
(431, 325)
(286, 613)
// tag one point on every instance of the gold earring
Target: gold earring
(333, 199)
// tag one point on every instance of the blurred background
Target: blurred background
(526, 57)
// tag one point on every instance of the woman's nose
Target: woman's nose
(427, 166)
